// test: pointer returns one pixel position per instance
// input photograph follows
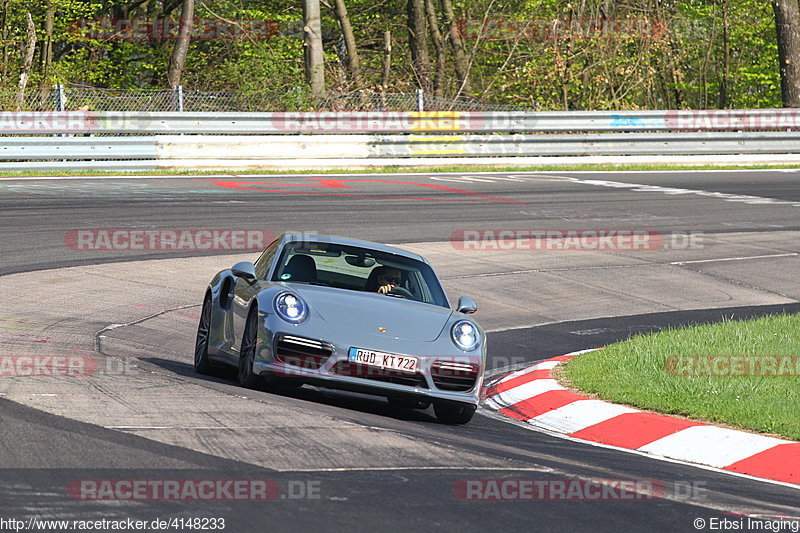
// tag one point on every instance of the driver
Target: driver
(388, 279)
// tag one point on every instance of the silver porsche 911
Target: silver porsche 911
(344, 314)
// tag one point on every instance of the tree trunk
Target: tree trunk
(179, 53)
(4, 37)
(27, 61)
(47, 46)
(462, 62)
(438, 45)
(353, 61)
(314, 57)
(418, 42)
(787, 26)
(726, 59)
(669, 81)
(704, 67)
(566, 71)
(387, 58)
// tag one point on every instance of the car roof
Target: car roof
(346, 241)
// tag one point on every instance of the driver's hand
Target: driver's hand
(385, 289)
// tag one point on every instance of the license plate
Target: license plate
(387, 361)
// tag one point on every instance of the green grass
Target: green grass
(637, 372)
(465, 168)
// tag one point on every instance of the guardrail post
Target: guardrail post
(420, 100)
(178, 97)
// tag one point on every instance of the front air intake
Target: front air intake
(302, 352)
(454, 376)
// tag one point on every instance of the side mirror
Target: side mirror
(245, 270)
(466, 305)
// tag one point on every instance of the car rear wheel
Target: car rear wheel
(247, 378)
(449, 413)
(202, 365)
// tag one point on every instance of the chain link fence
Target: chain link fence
(61, 98)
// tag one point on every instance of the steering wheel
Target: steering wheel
(401, 292)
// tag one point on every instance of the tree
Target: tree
(461, 60)
(47, 46)
(4, 37)
(181, 49)
(438, 46)
(27, 59)
(353, 62)
(418, 42)
(314, 57)
(787, 26)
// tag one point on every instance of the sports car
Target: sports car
(344, 314)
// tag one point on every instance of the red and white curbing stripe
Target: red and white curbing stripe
(533, 396)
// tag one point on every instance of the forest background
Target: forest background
(541, 54)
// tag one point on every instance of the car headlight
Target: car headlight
(465, 335)
(290, 307)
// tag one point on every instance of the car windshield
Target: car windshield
(359, 269)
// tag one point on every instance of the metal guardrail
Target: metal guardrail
(143, 123)
(77, 148)
(199, 147)
(196, 139)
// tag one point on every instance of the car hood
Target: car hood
(364, 313)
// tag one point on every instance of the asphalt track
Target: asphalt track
(397, 471)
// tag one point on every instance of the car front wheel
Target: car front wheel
(202, 365)
(247, 378)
